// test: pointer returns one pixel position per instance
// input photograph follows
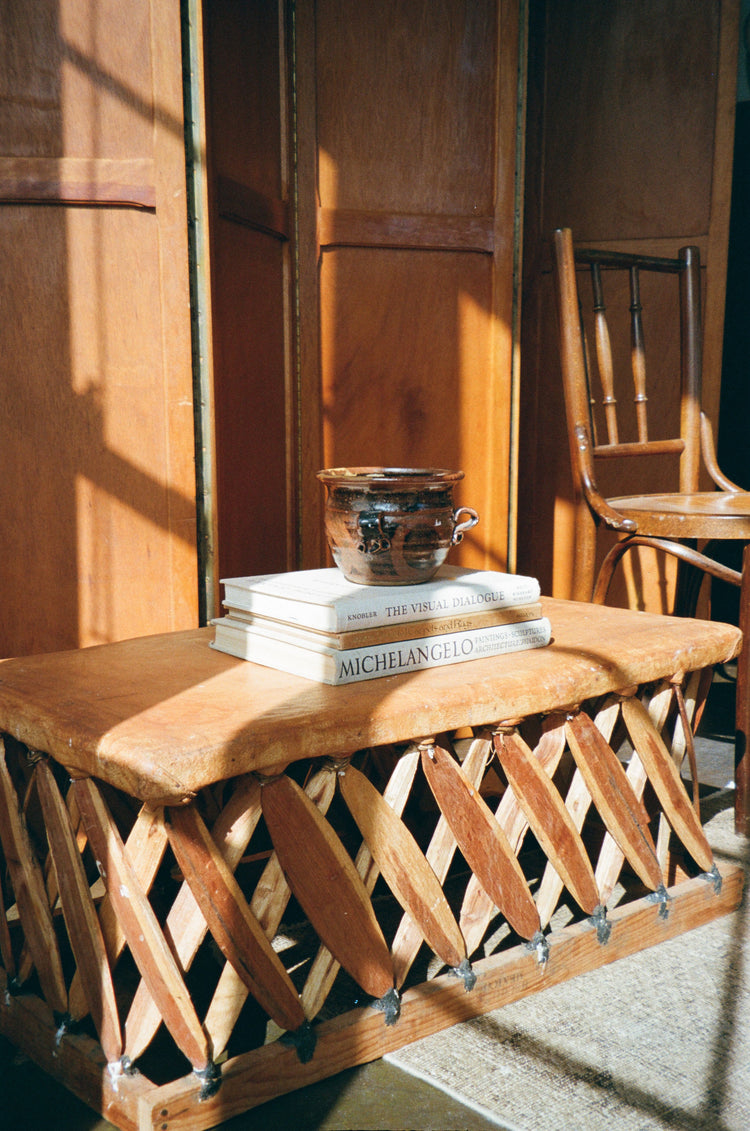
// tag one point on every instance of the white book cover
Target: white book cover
(323, 599)
(335, 666)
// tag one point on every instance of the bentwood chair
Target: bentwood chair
(684, 522)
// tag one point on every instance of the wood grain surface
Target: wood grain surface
(160, 717)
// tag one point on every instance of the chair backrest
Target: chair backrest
(601, 422)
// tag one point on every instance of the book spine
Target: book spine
(386, 634)
(430, 652)
(306, 614)
(387, 605)
(357, 664)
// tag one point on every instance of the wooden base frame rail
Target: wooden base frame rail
(359, 1035)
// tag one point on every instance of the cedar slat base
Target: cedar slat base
(133, 1103)
(188, 936)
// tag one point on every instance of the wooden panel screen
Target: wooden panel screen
(362, 188)
(97, 508)
(407, 146)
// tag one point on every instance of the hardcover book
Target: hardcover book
(386, 633)
(323, 599)
(336, 665)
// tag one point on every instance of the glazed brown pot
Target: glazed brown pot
(392, 525)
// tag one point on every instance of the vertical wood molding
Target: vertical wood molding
(201, 312)
(515, 86)
(721, 199)
(310, 424)
(288, 148)
(176, 346)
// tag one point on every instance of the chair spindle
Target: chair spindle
(638, 354)
(604, 355)
(587, 369)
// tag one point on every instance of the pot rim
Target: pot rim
(419, 477)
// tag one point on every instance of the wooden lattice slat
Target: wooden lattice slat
(324, 968)
(31, 895)
(481, 840)
(268, 903)
(665, 779)
(233, 926)
(619, 807)
(439, 854)
(323, 878)
(478, 908)
(611, 856)
(548, 819)
(578, 803)
(6, 946)
(145, 937)
(185, 924)
(403, 866)
(80, 917)
(145, 848)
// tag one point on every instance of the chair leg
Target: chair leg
(688, 587)
(585, 553)
(742, 723)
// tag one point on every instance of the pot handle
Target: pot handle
(460, 528)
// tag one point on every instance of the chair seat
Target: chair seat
(704, 514)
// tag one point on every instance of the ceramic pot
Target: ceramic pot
(392, 525)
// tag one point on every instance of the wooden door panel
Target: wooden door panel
(413, 169)
(250, 225)
(97, 458)
(641, 168)
(243, 54)
(399, 331)
(406, 106)
(250, 407)
(76, 80)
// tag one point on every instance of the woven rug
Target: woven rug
(657, 1040)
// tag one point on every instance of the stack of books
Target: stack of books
(316, 624)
